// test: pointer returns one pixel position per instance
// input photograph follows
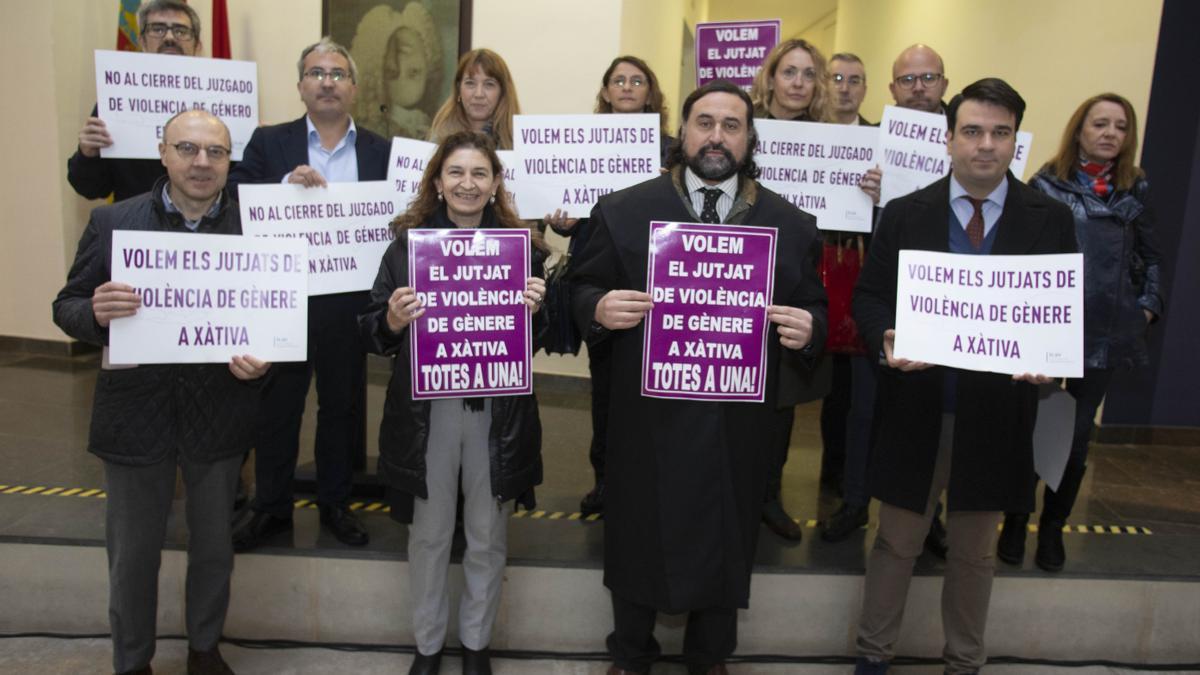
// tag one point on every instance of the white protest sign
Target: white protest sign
(508, 158)
(406, 165)
(137, 93)
(912, 151)
(1007, 314)
(345, 226)
(817, 167)
(569, 161)
(209, 297)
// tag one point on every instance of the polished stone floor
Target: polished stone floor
(1140, 505)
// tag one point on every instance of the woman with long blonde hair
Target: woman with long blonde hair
(792, 84)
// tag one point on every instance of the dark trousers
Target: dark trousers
(1088, 392)
(600, 367)
(709, 638)
(337, 358)
(859, 419)
(835, 408)
(777, 453)
(136, 510)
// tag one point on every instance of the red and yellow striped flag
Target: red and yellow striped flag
(127, 27)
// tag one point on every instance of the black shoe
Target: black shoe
(865, 666)
(1011, 546)
(426, 665)
(146, 670)
(207, 663)
(257, 528)
(476, 662)
(593, 502)
(1051, 554)
(780, 522)
(844, 522)
(344, 525)
(935, 541)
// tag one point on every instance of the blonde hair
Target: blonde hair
(451, 117)
(761, 92)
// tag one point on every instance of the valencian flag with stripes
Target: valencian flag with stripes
(127, 28)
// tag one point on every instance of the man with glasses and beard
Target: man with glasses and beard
(166, 27)
(686, 478)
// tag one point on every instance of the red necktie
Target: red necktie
(975, 224)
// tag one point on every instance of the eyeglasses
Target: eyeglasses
(635, 82)
(852, 80)
(189, 150)
(790, 74)
(927, 79)
(159, 30)
(319, 74)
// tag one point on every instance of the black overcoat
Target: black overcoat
(685, 479)
(991, 468)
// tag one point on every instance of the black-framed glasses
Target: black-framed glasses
(320, 74)
(189, 150)
(159, 31)
(852, 80)
(927, 79)
(635, 82)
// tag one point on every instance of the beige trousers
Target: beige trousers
(966, 588)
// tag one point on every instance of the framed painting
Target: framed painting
(406, 52)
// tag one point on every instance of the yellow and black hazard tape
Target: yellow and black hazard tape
(381, 507)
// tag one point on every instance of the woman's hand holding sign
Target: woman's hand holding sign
(403, 308)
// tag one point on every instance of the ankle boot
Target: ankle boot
(1011, 547)
(1056, 508)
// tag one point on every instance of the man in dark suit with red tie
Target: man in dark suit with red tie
(968, 433)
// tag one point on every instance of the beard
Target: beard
(714, 168)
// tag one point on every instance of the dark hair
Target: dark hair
(676, 155)
(654, 96)
(991, 90)
(849, 58)
(1065, 162)
(426, 203)
(156, 6)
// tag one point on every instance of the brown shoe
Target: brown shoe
(207, 663)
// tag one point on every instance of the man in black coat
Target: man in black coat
(322, 147)
(167, 27)
(148, 419)
(685, 479)
(968, 433)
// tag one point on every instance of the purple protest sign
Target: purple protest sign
(474, 338)
(733, 50)
(706, 338)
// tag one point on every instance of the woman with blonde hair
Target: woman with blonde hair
(489, 447)
(792, 84)
(484, 100)
(1095, 175)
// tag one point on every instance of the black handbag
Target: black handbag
(562, 337)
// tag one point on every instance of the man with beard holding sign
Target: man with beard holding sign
(686, 478)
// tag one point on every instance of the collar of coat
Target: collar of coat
(207, 222)
(747, 195)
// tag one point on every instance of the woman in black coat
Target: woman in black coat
(1095, 175)
(495, 442)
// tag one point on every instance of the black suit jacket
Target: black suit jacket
(992, 464)
(274, 151)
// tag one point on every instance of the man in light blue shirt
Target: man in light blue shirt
(324, 146)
